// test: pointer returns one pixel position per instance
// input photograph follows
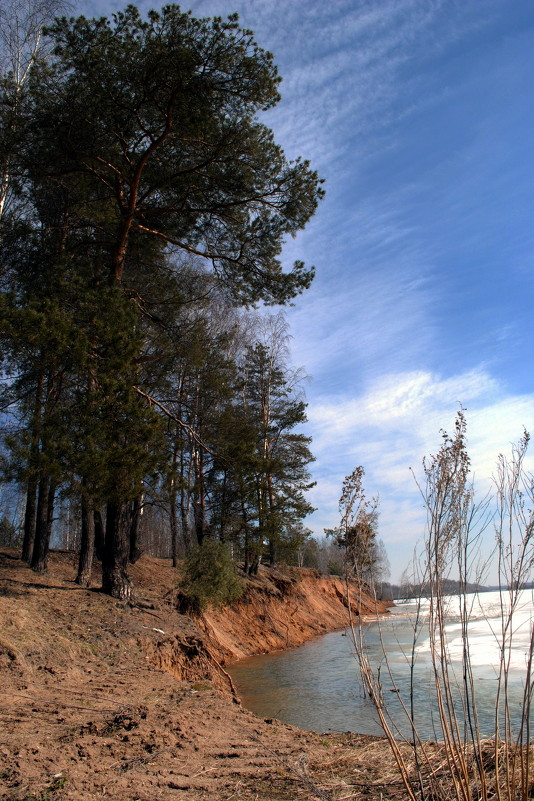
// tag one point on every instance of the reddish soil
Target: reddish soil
(282, 610)
(99, 699)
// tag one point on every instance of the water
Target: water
(317, 686)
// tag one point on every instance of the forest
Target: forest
(143, 209)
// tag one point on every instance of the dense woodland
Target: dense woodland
(147, 404)
(143, 210)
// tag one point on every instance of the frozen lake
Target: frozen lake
(317, 686)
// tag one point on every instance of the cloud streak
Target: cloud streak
(392, 425)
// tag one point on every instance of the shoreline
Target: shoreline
(284, 610)
(102, 699)
(365, 619)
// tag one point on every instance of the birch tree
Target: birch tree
(21, 44)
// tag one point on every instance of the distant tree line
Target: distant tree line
(142, 206)
(410, 589)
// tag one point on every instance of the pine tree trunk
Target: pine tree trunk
(173, 511)
(272, 552)
(246, 566)
(174, 530)
(43, 529)
(33, 480)
(223, 510)
(30, 519)
(100, 535)
(87, 546)
(273, 534)
(50, 511)
(184, 510)
(115, 579)
(198, 510)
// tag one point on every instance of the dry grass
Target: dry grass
(361, 768)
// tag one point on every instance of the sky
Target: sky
(419, 115)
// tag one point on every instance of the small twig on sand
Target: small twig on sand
(194, 776)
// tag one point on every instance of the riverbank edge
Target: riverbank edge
(101, 698)
(281, 610)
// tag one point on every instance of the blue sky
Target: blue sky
(419, 115)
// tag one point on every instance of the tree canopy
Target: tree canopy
(149, 127)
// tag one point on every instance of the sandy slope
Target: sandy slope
(101, 700)
(284, 610)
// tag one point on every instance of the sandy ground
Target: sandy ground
(89, 709)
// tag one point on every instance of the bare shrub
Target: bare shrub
(467, 766)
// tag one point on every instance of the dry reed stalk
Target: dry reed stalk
(470, 768)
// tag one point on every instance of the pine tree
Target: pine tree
(273, 407)
(141, 135)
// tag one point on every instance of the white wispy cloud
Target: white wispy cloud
(392, 425)
(378, 312)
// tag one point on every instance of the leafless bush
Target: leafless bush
(470, 767)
